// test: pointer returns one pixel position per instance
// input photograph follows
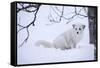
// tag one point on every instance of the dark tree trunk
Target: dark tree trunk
(92, 16)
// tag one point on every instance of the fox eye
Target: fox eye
(79, 28)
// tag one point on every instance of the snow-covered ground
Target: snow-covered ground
(31, 54)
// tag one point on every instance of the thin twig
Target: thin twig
(26, 38)
(20, 25)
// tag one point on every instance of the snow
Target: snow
(31, 54)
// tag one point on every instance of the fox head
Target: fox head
(78, 28)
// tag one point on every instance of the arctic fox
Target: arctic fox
(66, 40)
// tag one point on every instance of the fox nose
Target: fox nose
(77, 32)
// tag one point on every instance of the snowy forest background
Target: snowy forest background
(46, 22)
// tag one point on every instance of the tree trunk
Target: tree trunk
(92, 17)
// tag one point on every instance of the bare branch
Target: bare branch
(20, 25)
(26, 38)
(37, 6)
(76, 13)
(81, 14)
(26, 7)
(60, 15)
(58, 9)
(55, 11)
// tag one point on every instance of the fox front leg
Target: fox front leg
(73, 45)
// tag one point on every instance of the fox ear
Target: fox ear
(83, 26)
(73, 25)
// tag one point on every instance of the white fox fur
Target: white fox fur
(66, 40)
